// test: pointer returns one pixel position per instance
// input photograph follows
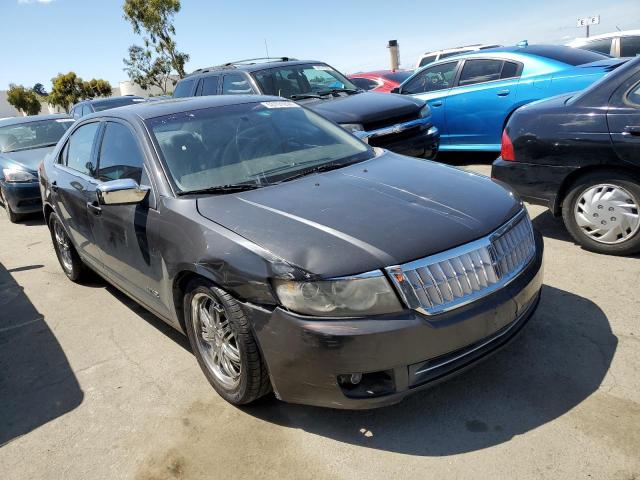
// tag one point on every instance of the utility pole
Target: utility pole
(394, 54)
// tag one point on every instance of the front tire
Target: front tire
(72, 266)
(11, 215)
(601, 212)
(223, 343)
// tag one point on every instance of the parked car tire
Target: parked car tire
(13, 217)
(72, 266)
(601, 212)
(223, 343)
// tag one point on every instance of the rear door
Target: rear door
(623, 118)
(478, 105)
(126, 235)
(74, 188)
(433, 85)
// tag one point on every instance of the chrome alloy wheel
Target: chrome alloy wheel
(64, 248)
(215, 339)
(607, 214)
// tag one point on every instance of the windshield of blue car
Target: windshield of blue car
(27, 136)
(99, 106)
(251, 145)
(296, 81)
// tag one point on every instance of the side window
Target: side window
(629, 46)
(600, 46)
(480, 71)
(438, 77)
(236, 84)
(510, 70)
(634, 95)
(184, 88)
(364, 83)
(427, 60)
(208, 86)
(86, 110)
(120, 156)
(77, 152)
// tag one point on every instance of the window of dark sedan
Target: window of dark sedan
(634, 95)
(236, 84)
(438, 77)
(77, 152)
(208, 86)
(184, 88)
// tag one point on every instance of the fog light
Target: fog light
(367, 385)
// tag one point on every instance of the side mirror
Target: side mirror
(395, 90)
(121, 192)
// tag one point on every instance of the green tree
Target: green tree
(38, 88)
(67, 89)
(96, 88)
(153, 19)
(148, 69)
(23, 99)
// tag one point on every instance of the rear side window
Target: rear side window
(480, 71)
(77, 152)
(634, 95)
(184, 88)
(509, 70)
(236, 84)
(120, 156)
(76, 112)
(208, 86)
(629, 46)
(601, 46)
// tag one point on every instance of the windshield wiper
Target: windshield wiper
(238, 187)
(300, 96)
(325, 167)
(338, 90)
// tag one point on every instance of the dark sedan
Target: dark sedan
(579, 155)
(293, 255)
(24, 142)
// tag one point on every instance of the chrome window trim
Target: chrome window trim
(404, 288)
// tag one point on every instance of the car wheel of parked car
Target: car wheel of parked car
(222, 341)
(13, 217)
(70, 261)
(601, 211)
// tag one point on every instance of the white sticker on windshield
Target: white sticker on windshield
(280, 104)
(322, 67)
(65, 120)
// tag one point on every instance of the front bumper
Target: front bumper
(535, 183)
(305, 356)
(22, 197)
(417, 138)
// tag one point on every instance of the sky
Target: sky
(42, 38)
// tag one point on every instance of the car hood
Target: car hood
(364, 107)
(377, 213)
(25, 159)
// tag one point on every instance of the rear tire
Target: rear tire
(601, 212)
(72, 266)
(11, 215)
(222, 341)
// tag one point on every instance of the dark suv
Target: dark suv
(398, 123)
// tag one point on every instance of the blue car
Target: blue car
(472, 95)
(24, 142)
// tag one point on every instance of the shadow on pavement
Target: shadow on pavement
(552, 227)
(37, 384)
(558, 361)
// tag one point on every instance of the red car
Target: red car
(380, 80)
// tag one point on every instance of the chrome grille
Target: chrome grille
(453, 278)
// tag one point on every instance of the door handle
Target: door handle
(503, 93)
(54, 186)
(437, 103)
(632, 130)
(95, 209)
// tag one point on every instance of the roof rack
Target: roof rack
(247, 61)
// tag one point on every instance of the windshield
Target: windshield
(297, 80)
(115, 103)
(26, 136)
(251, 145)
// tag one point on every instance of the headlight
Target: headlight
(349, 297)
(425, 111)
(16, 175)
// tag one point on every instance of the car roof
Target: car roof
(32, 118)
(161, 108)
(250, 67)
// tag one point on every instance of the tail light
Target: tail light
(506, 152)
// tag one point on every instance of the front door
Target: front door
(479, 104)
(623, 118)
(74, 188)
(127, 234)
(433, 85)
